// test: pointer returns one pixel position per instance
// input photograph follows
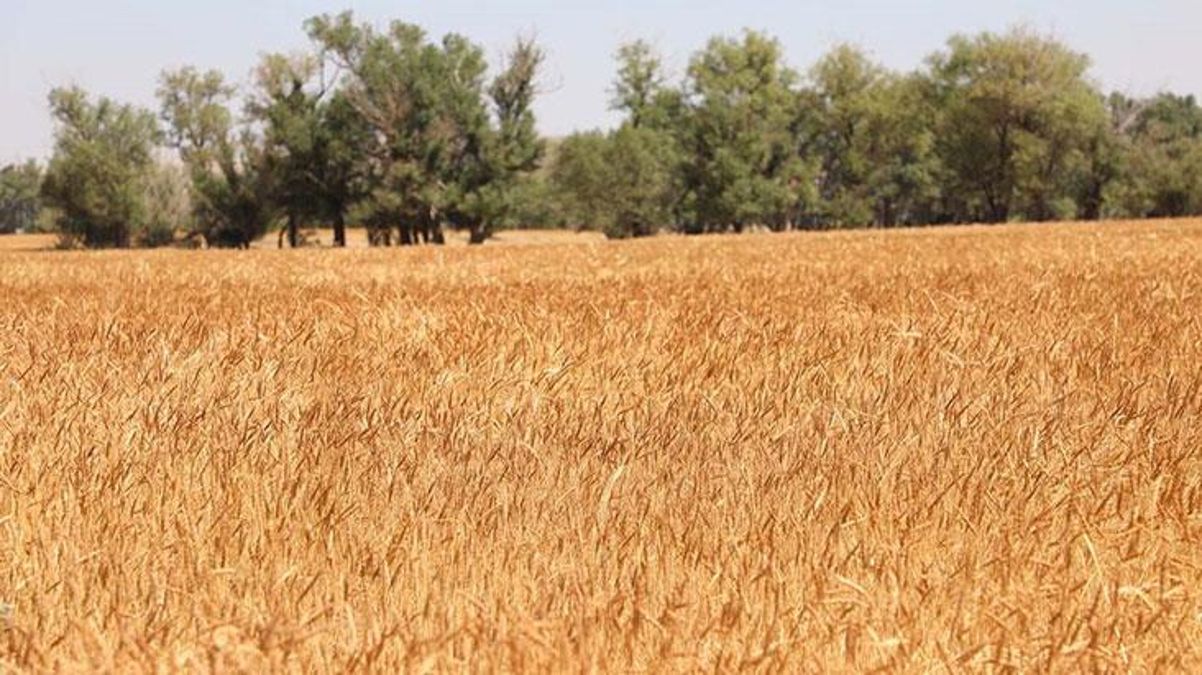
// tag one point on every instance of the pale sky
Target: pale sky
(118, 47)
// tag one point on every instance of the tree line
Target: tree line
(406, 136)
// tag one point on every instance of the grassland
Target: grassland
(926, 450)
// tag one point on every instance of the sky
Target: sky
(119, 47)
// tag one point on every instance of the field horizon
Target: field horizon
(322, 238)
(952, 448)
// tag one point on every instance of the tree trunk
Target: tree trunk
(1001, 213)
(339, 230)
(478, 235)
(887, 216)
(379, 236)
(293, 231)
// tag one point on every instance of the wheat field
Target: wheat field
(932, 451)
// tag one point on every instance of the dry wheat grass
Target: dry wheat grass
(925, 450)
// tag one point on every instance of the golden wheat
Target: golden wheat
(926, 450)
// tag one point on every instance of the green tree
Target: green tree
(627, 183)
(624, 184)
(1015, 112)
(313, 139)
(169, 208)
(904, 175)
(103, 157)
(743, 168)
(837, 111)
(870, 131)
(640, 89)
(536, 203)
(1105, 186)
(289, 115)
(579, 174)
(231, 182)
(642, 186)
(423, 103)
(445, 146)
(512, 149)
(1166, 156)
(658, 118)
(20, 198)
(342, 169)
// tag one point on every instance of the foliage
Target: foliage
(580, 176)
(1016, 114)
(641, 87)
(168, 191)
(742, 167)
(512, 149)
(232, 183)
(390, 129)
(1166, 156)
(623, 184)
(313, 138)
(103, 156)
(445, 146)
(20, 197)
(871, 136)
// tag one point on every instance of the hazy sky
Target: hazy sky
(118, 47)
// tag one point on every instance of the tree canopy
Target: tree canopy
(20, 197)
(388, 128)
(103, 160)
